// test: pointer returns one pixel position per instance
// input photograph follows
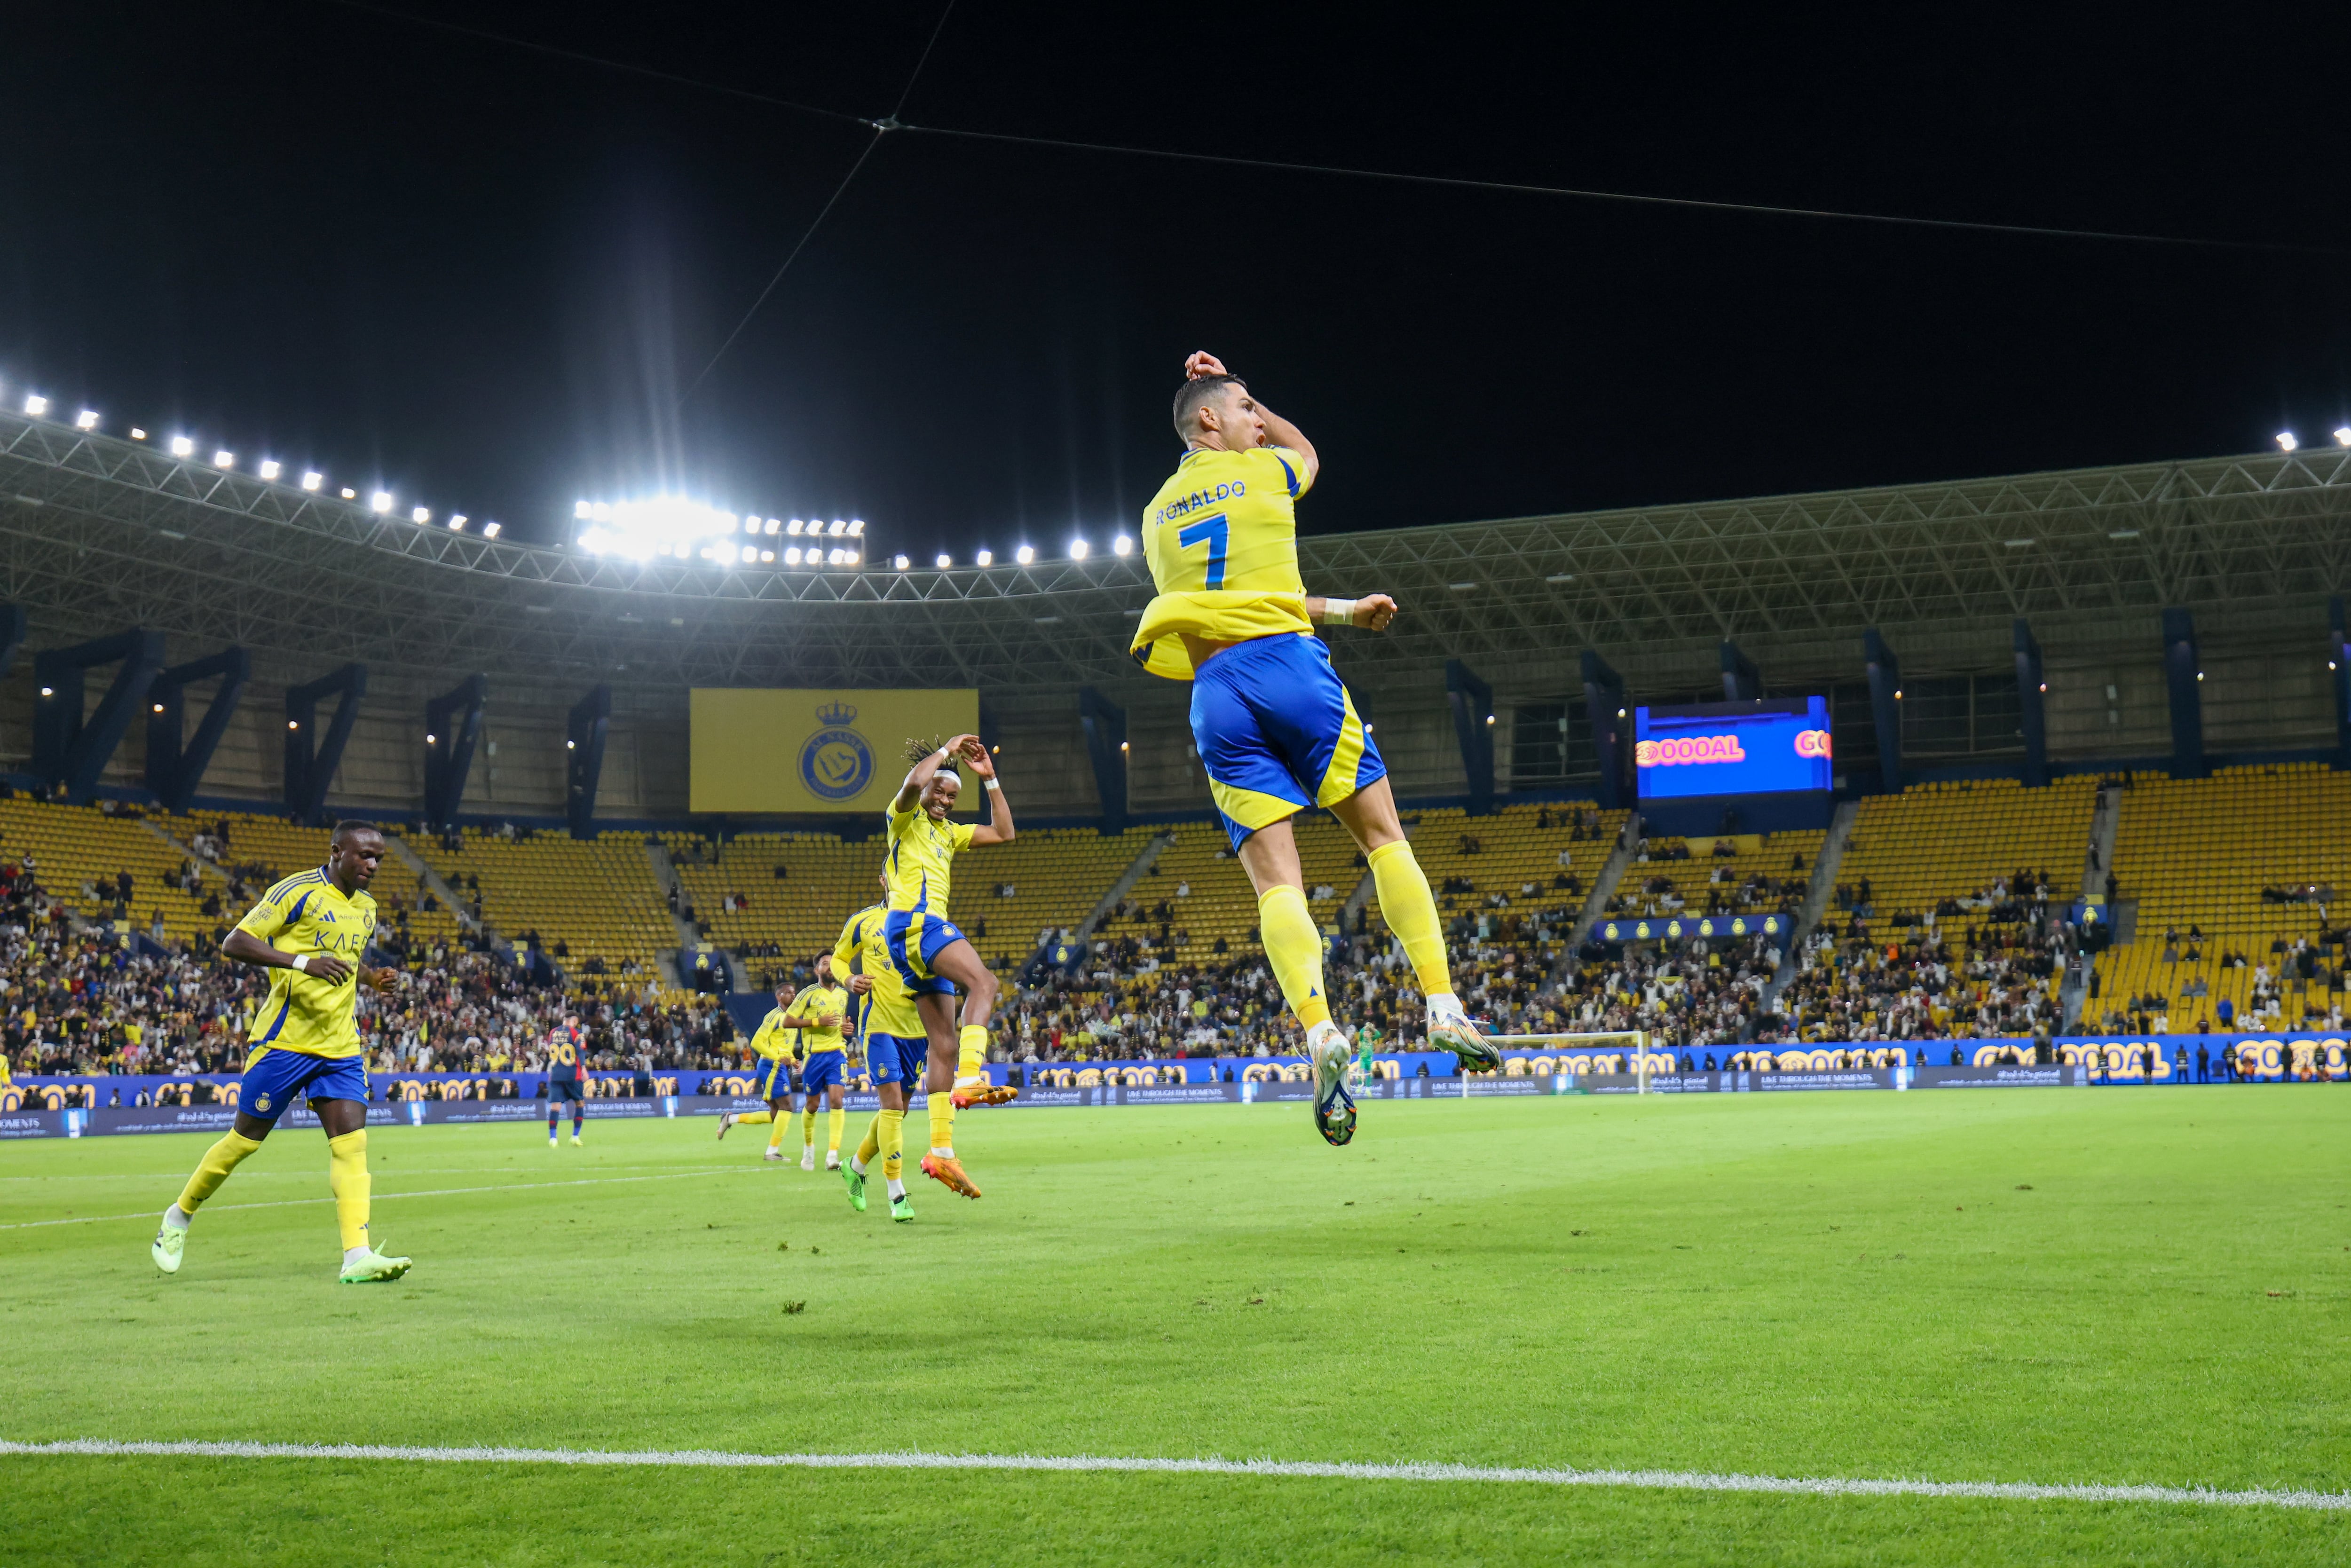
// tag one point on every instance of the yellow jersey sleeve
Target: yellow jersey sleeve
(1221, 541)
(852, 942)
(268, 918)
(959, 834)
(772, 1040)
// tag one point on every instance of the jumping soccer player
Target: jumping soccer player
(930, 954)
(1276, 729)
(306, 1041)
(820, 1012)
(776, 1040)
(897, 1050)
(567, 1079)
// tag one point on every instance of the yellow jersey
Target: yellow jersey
(889, 1007)
(308, 914)
(1221, 538)
(921, 851)
(775, 1039)
(814, 1003)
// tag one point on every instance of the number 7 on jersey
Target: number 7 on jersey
(1214, 533)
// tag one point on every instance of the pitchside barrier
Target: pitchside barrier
(194, 1103)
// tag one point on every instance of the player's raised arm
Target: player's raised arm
(919, 777)
(1276, 431)
(245, 947)
(998, 830)
(1372, 612)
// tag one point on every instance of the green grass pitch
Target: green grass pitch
(2109, 1286)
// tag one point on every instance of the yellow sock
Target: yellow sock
(894, 1148)
(943, 1123)
(776, 1129)
(214, 1168)
(1294, 948)
(833, 1122)
(808, 1127)
(1410, 910)
(869, 1147)
(971, 1053)
(754, 1118)
(347, 1174)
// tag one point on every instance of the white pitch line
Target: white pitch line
(1678, 1480)
(382, 1196)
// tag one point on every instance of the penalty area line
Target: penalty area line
(382, 1196)
(1660, 1480)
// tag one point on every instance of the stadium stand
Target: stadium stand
(83, 854)
(1748, 874)
(593, 903)
(2233, 878)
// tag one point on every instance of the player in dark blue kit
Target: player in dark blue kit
(567, 1079)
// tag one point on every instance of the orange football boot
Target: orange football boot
(948, 1171)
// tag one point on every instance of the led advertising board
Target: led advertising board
(1732, 749)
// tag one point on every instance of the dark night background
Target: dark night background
(482, 276)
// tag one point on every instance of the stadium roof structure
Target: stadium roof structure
(97, 533)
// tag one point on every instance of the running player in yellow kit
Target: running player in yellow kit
(818, 1014)
(897, 1050)
(306, 1041)
(1276, 729)
(776, 1040)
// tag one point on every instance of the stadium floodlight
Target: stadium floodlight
(857, 528)
(986, 558)
(898, 561)
(1121, 546)
(773, 525)
(137, 434)
(838, 527)
(657, 526)
(86, 420)
(794, 526)
(945, 560)
(420, 515)
(791, 555)
(456, 522)
(2286, 442)
(1121, 745)
(570, 745)
(2343, 436)
(856, 557)
(224, 459)
(1490, 719)
(293, 724)
(582, 511)
(36, 405)
(271, 469)
(183, 447)
(1078, 550)
(350, 494)
(767, 557)
(430, 739)
(1024, 555)
(489, 530)
(381, 501)
(47, 691)
(159, 708)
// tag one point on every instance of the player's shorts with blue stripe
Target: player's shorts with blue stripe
(821, 1071)
(891, 1059)
(775, 1078)
(274, 1079)
(1278, 733)
(914, 937)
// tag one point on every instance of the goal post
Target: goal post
(1634, 1042)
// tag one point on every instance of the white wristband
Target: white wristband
(1338, 612)
(991, 783)
(302, 964)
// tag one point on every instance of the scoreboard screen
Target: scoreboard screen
(1732, 749)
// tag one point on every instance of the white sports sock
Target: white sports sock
(353, 1255)
(1444, 1002)
(897, 1188)
(174, 1218)
(1324, 1035)
(857, 1165)
(943, 1153)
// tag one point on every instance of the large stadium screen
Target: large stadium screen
(1732, 749)
(770, 750)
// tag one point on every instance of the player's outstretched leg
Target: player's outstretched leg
(1293, 945)
(172, 1235)
(1410, 910)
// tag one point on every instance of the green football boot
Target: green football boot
(372, 1268)
(900, 1210)
(170, 1241)
(856, 1185)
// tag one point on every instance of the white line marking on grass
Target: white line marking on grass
(1678, 1480)
(386, 1196)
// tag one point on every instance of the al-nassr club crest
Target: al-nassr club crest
(835, 763)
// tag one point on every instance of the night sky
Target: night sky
(485, 277)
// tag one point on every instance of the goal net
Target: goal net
(1620, 1050)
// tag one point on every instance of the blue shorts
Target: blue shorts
(1278, 733)
(891, 1060)
(274, 1079)
(564, 1089)
(914, 937)
(821, 1071)
(775, 1079)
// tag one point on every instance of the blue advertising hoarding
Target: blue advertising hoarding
(1732, 749)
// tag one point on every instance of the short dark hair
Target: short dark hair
(1193, 393)
(350, 825)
